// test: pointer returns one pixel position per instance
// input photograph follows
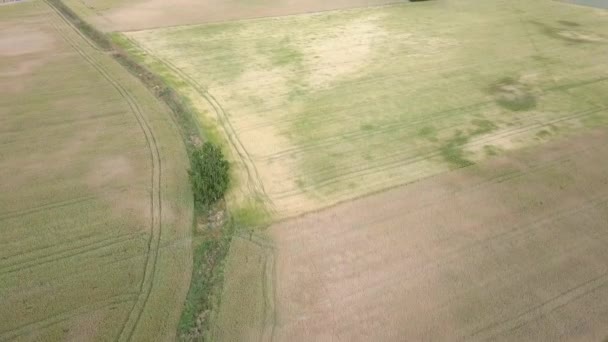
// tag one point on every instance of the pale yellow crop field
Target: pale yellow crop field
(323, 108)
(95, 206)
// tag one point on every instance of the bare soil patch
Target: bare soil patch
(511, 249)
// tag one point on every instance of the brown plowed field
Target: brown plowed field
(512, 249)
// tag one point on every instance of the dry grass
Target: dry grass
(95, 204)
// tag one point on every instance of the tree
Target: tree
(209, 175)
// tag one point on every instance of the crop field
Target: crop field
(513, 249)
(122, 15)
(95, 205)
(434, 170)
(492, 112)
(323, 108)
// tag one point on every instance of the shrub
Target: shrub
(209, 175)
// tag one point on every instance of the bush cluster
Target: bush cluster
(209, 175)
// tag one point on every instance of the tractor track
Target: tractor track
(128, 328)
(255, 185)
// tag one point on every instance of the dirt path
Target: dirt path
(512, 249)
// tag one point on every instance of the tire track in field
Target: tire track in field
(361, 136)
(270, 296)
(357, 135)
(21, 330)
(73, 27)
(268, 278)
(395, 161)
(44, 207)
(35, 261)
(54, 205)
(399, 125)
(255, 184)
(513, 174)
(524, 318)
(145, 287)
(452, 257)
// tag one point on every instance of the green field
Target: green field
(95, 205)
(322, 108)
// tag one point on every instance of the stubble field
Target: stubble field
(95, 206)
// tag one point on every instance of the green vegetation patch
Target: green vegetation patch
(513, 95)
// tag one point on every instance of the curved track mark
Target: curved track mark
(254, 182)
(145, 287)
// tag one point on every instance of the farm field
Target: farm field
(95, 203)
(323, 108)
(434, 171)
(122, 15)
(512, 249)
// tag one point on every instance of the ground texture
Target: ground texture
(95, 206)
